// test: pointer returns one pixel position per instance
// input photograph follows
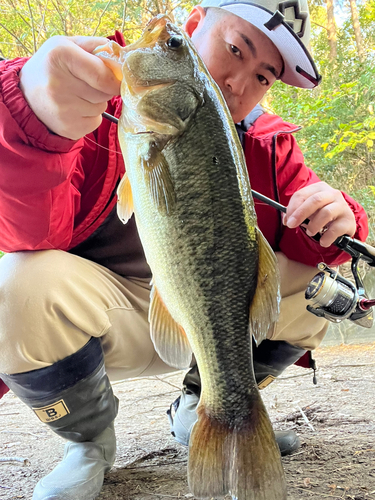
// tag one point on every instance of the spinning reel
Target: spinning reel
(331, 295)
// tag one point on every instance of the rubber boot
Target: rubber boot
(270, 359)
(75, 399)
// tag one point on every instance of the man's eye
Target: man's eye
(263, 80)
(235, 50)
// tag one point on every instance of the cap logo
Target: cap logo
(275, 21)
(297, 21)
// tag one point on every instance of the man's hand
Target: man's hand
(326, 209)
(67, 87)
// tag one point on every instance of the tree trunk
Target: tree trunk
(357, 30)
(331, 28)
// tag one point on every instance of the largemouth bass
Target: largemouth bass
(215, 279)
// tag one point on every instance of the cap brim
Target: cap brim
(299, 68)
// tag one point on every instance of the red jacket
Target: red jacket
(276, 168)
(54, 192)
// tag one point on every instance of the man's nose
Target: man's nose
(236, 84)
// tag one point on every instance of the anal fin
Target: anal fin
(265, 306)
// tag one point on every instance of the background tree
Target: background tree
(331, 30)
(26, 24)
(357, 30)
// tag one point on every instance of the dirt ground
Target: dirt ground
(335, 420)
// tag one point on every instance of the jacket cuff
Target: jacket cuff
(37, 134)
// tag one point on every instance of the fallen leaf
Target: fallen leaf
(306, 482)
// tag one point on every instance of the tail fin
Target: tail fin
(243, 461)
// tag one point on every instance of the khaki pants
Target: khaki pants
(53, 302)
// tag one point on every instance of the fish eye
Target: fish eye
(175, 42)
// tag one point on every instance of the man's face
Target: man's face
(241, 59)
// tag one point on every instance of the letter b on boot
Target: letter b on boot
(52, 412)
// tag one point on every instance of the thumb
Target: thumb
(89, 43)
(90, 68)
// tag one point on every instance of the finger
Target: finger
(63, 90)
(85, 126)
(84, 91)
(88, 109)
(92, 70)
(76, 109)
(336, 229)
(73, 117)
(323, 217)
(308, 208)
(303, 194)
(89, 43)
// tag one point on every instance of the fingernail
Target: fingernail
(291, 222)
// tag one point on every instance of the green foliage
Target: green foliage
(26, 24)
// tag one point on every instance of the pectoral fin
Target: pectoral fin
(159, 179)
(125, 206)
(112, 55)
(169, 337)
(265, 306)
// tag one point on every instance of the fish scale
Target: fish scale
(215, 279)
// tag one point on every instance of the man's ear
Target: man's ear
(195, 20)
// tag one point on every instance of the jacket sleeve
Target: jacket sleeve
(292, 175)
(3, 389)
(37, 197)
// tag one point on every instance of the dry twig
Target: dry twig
(305, 418)
(101, 17)
(24, 461)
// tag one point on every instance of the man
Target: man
(74, 313)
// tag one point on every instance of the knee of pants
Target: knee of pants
(26, 284)
(45, 314)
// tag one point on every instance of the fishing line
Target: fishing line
(97, 144)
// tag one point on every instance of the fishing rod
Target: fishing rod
(349, 245)
(331, 295)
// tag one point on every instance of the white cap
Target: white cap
(287, 25)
